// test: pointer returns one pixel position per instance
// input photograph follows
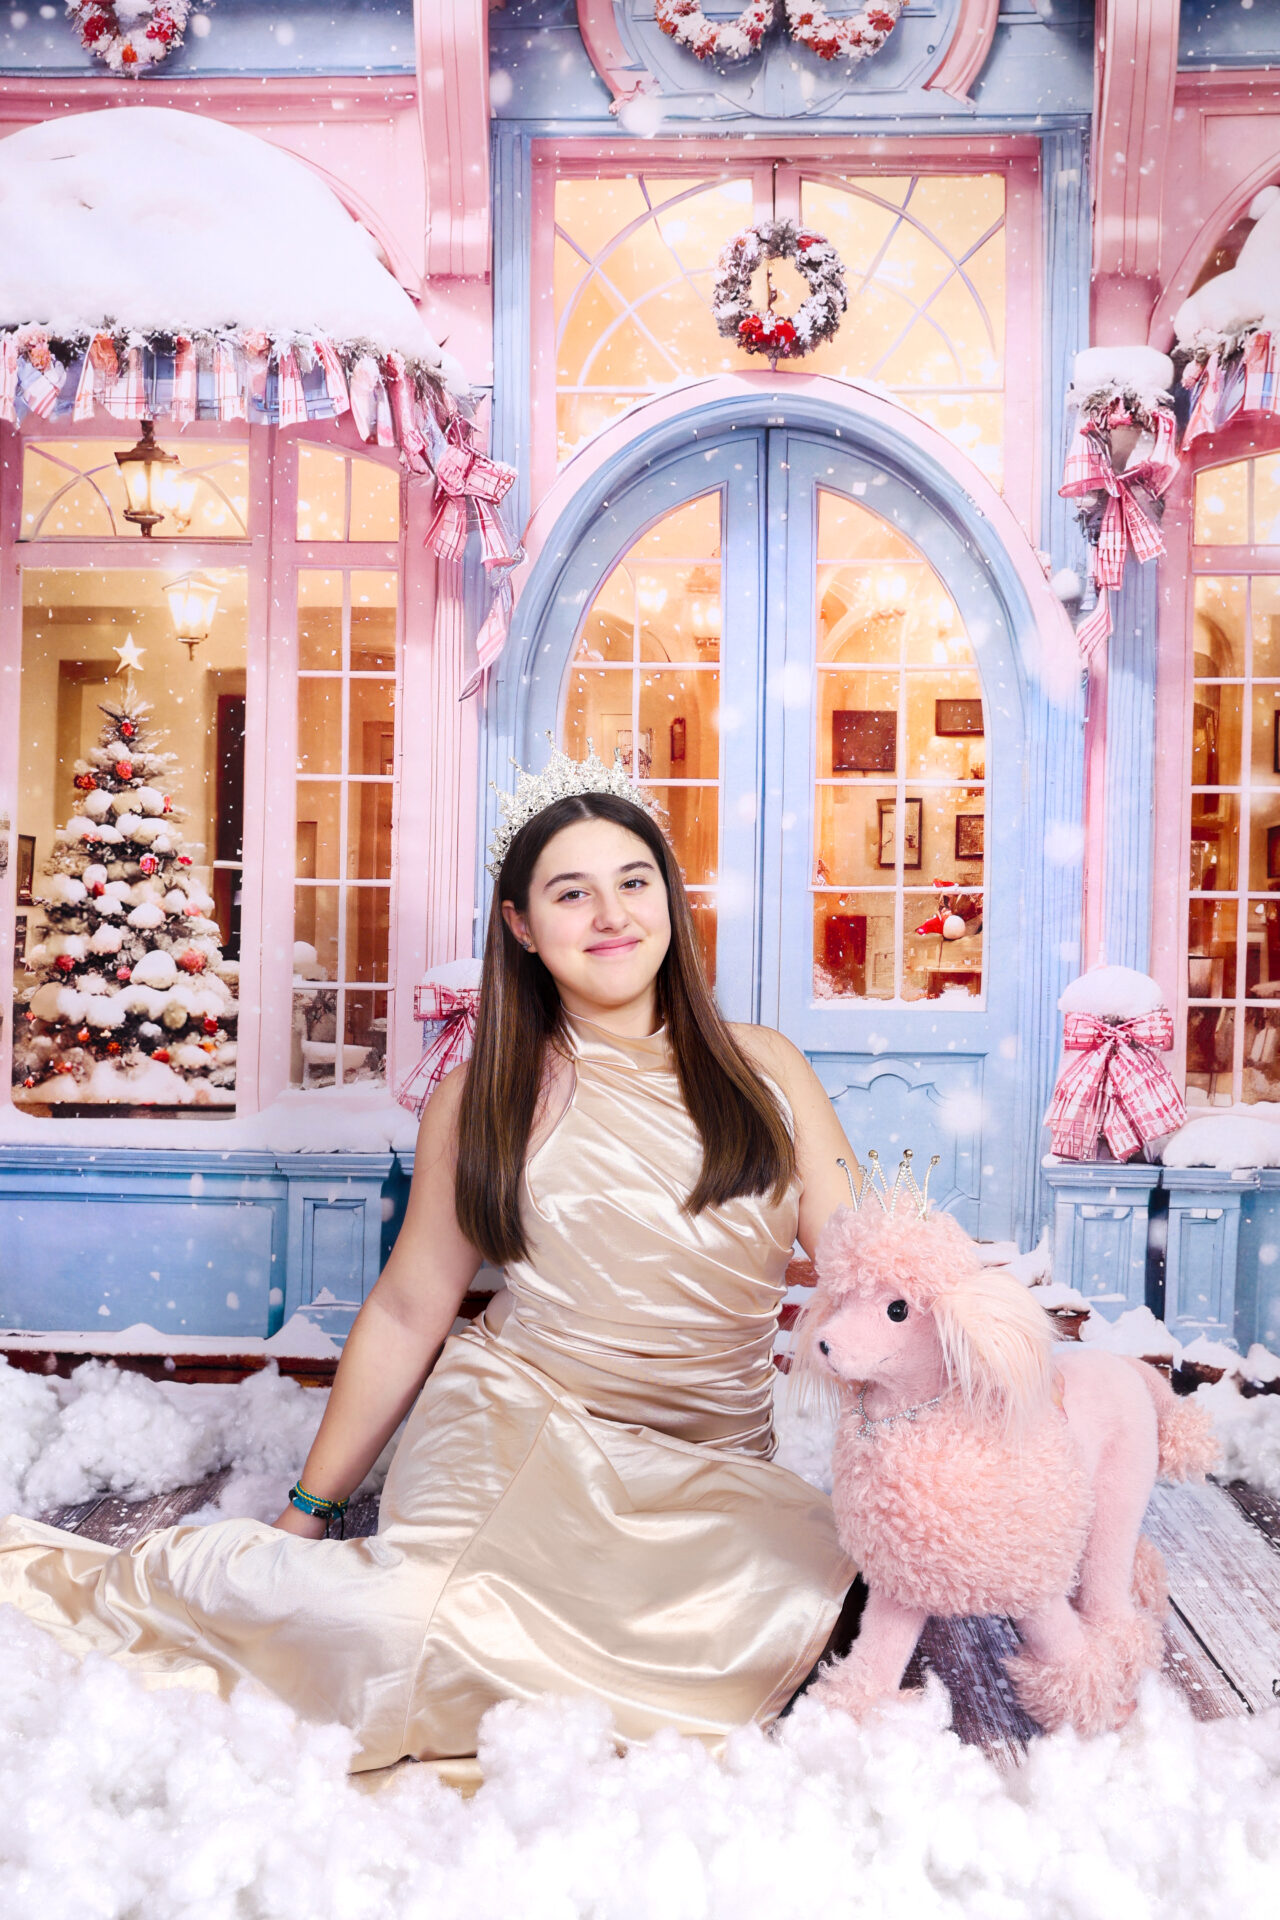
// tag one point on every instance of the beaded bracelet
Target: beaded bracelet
(326, 1510)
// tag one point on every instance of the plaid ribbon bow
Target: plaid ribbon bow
(1115, 1086)
(455, 1009)
(463, 474)
(1126, 523)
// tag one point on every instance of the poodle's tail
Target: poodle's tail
(1188, 1446)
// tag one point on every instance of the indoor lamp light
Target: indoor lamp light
(146, 471)
(704, 606)
(193, 601)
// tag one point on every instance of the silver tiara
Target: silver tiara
(906, 1191)
(558, 779)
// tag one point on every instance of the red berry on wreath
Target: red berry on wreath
(210, 1024)
(64, 963)
(184, 859)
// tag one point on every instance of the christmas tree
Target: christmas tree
(132, 1000)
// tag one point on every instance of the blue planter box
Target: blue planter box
(189, 1241)
(1101, 1213)
(1202, 1253)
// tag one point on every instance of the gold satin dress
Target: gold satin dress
(583, 1500)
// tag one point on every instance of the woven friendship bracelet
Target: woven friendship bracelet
(314, 1503)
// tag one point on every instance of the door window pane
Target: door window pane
(662, 719)
(343, 496)
(901, 760)
(130, 846)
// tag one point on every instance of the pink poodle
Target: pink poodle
(981, 1467)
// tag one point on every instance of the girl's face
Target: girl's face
(597, 917)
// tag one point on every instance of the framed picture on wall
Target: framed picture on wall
(971, 838)
(26, 867)
(20, 943)
(864, 741)
(888, 828)
(1273, 853)
(677, 738)
(951, 717)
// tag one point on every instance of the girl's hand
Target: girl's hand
(308, 1526)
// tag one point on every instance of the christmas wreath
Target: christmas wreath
(131, 34)
(854, 37)
(780, 336)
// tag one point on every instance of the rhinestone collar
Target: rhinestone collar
(868, 1427)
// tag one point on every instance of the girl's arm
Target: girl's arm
(819, 1137)
(403, 1324)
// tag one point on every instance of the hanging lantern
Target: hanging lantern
(193, 601)
(704, 606)
(147, 474)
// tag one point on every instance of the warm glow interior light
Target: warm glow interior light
(146, 471)
(193, 601)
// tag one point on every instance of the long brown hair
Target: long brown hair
(746, 1145)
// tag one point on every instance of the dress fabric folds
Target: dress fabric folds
(583, 1499)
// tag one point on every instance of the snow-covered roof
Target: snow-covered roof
(171, 222)
(1246, 295)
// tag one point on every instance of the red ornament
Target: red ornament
(98, 889)
(64, 963)
(184, 859)
(86, 782)
(127, 729)
(62, 1066)
(210, 1024)
(161, 1054)
(192, 962)
(168, 804)
(113, 1046)
(207, 1045)
(92, 28)
(84, 1035)
(124, 769)
(148, 863)
(124, 973)
(29, 1081)
(129, 56)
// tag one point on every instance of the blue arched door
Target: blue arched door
(813, 665)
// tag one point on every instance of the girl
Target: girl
(583, 1499)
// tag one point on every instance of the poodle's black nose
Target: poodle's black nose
(823, 1348)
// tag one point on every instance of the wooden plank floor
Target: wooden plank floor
(1222, 1639)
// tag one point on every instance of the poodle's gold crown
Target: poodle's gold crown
(905, 1197)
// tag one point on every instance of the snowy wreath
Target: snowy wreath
(131, 34)
(854, 37)
(780, 336)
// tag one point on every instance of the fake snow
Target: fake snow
(298, 1339)
(1247, 294)
(1112, 993)
(175, 222)
(1107, 372)
(1226, 1141)
(1137, 1333)
(363, 1119)
(127, 1803)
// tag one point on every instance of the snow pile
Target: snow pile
(109, 1431)
(1248, 1432)
(1112, 993)
(1103, 374)
(177, 1804)
(1137, 1333)
(174, 222)
(298, 1339)
(1246, 295)
(1226, 1141)
(359, 1119)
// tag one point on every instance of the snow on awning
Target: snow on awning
(161, 265)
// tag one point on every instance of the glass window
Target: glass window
(72, 490)
(644, 681)
(1232, 870)
(635, 265)
(347, 620)
(901, 770)
(342, 496)
(130, 824)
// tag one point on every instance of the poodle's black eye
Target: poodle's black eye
(897, 1309)
(823, 1348)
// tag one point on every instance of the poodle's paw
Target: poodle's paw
(849, 1686)
(1096, 1691)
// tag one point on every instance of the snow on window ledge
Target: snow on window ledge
(359, 1119)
